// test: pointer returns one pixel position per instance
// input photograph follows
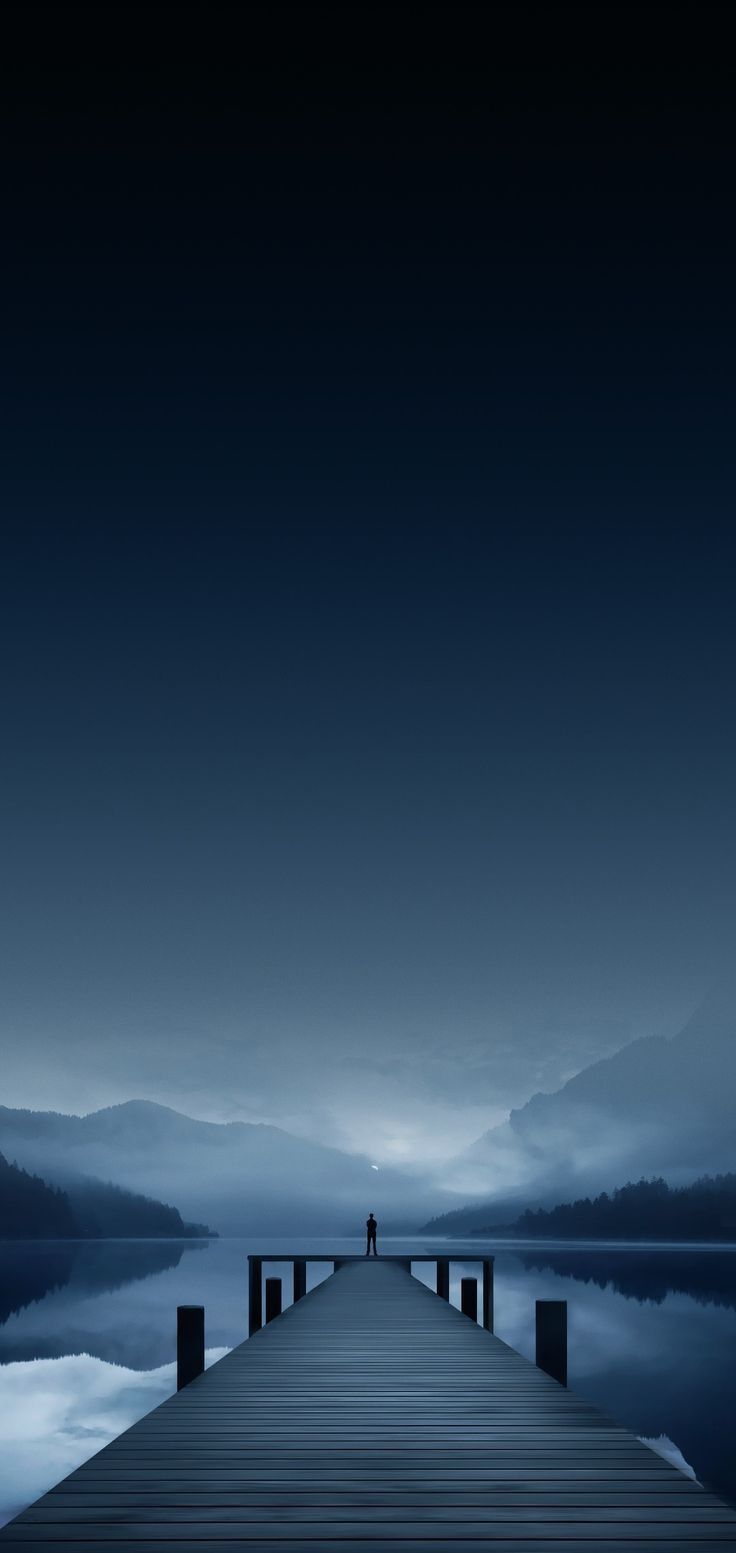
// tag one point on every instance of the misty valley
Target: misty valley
(657, 1108)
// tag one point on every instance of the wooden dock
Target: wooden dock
(373, 1415)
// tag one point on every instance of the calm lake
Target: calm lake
(87, 1337)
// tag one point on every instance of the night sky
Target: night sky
(367, 570)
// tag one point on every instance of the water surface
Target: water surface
(88, 1336)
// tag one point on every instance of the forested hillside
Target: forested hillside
(32, 1209)
(643, 1210)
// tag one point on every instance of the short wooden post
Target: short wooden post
(552, 1338)
(189, 1343)
(255, 1294)
(273, 1299)
(300, 1278)
(443, 1277)
(488, 1293)
(469, 1297)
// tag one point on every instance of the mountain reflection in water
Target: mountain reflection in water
(646, 1272)
(32, 1270)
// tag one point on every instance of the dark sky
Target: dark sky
(367, 566)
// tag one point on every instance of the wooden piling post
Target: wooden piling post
(255, 1294)
(488, 1293)
(300, 1278)
(189, 1343)
(443, 1277)
(469, 1297)
(273, 1299)
(551, 1335)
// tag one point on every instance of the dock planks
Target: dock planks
(373, 1415)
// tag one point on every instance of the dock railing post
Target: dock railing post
(300, 1278)
(255, 1294)
(189, 1343)
(551, 1334)
(488, 1293)
(273, 1299)
(469, 1297)
(443, 1277)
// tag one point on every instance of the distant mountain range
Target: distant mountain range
(238, 1176)
(659, 1107)
(32, 1208)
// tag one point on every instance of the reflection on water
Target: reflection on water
(652, 1338)
(87, 1337)
(29, 1270)
(667, 1448)
(646, 1272)
(57, 1412)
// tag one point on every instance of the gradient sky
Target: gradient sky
(367, 570)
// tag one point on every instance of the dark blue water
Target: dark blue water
(87, 1338)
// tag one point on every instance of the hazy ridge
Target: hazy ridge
(658, 1107)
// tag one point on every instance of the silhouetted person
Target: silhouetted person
(371, 1227)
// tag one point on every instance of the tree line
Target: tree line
(643, 1210)
(32, 1209)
